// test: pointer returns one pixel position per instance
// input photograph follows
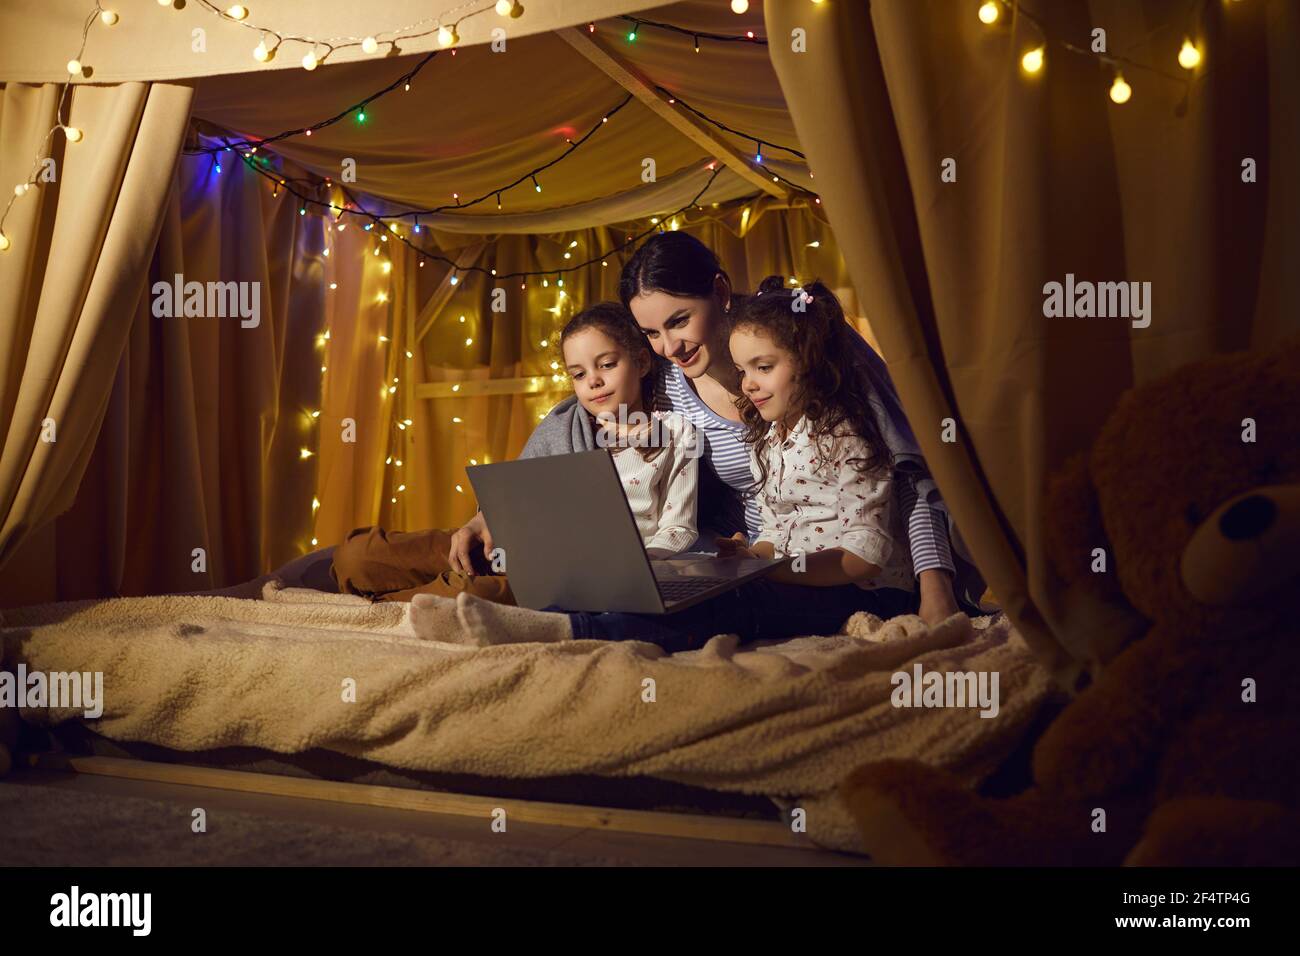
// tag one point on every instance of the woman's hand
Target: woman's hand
(737, 546)
(474, 533)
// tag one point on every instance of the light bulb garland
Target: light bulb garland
(1033, 59)
(319, 49)
(72, 134)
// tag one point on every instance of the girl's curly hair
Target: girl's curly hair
(834, 390)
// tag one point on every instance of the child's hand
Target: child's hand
(737, 546)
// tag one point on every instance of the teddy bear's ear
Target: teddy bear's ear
(1102, 620)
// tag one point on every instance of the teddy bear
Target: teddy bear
(1184, 746)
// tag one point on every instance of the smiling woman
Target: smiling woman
(680, 296)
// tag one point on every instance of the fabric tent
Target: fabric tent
(1052, 178)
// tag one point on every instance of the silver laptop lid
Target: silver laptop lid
(582, 551)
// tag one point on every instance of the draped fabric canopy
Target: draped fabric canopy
(473, 122)
(1051, 178)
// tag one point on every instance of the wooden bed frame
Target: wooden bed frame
(770, 833)
(646, 807)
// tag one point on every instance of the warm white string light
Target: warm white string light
(443, 26)
(71, 134)
(1120, 92)
(1033, 60)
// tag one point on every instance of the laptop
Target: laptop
(571, 542)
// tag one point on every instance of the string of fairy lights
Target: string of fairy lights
(530, 176)
(696, 35)
(71, 134)
(356, 110)
(1033, 60)
(319, 49)
(673, 99)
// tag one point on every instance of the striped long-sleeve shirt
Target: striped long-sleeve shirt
(724, 465)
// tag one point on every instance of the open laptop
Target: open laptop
(570, 540)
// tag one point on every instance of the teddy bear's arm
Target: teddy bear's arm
(1114, 731)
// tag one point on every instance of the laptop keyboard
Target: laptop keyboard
(679, 589)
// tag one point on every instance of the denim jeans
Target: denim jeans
(758, 610)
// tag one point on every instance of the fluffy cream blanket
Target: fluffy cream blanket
(298, 669)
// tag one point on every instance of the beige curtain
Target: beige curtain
(1051, 178)
(80, 244)
(215, 432)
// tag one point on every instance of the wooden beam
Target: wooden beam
(653, 822)
(628, 77)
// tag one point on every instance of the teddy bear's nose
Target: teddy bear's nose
(1248, 518)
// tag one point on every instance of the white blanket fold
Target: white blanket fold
(302, 669)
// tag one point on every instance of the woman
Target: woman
(680, 296)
